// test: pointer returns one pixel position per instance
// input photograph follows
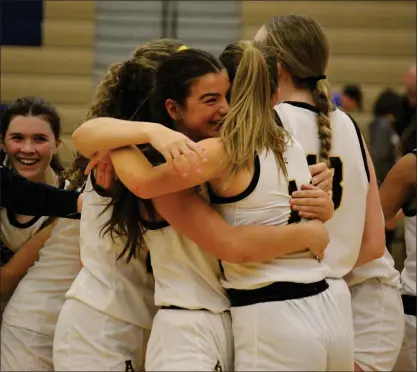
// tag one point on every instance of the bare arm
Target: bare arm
(105, 134)
(373, 243)
(100, 135)
(22, 260)
(195, 219)
(399, 186)
(146, 181)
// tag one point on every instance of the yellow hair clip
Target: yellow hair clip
(183, 47)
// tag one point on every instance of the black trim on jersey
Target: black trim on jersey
(148, 263)
(154, 225)
(173, 307)
(279, 291)
(409, 305)
(99, 190)
(14, 222)
(303, 105)
(306, 106)
(277, 119)
(216, 199)
(363, 150)
(409, 212)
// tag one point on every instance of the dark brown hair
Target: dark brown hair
(124, 94)
(175, 77)
(34, 106)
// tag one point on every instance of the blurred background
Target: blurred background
(60, 49)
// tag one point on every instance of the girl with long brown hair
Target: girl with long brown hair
(251, 170)
(187, 278)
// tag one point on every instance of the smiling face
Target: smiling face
(30, 144)
(204, 107)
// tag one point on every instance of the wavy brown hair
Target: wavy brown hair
(302, 49)
(124, 93)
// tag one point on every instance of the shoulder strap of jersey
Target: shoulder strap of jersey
(363, 150)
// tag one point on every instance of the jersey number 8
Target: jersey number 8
(337, 189)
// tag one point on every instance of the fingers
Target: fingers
(90, 166)
(191, 156)
(175, 153)
(296, 204)
(167, 155)
(184, 156)
(325, 185)
(317, 168)
(196, 148)
(311, 194)
(308, 186)
(322, 173)
(182, 165)
(309, 215)
(321, 177)
(308, 208)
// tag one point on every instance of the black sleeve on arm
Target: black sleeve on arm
(32, 198)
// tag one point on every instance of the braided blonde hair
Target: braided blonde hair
(302, 49)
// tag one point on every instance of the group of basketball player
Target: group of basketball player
(242, 232)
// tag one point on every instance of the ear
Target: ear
(57, 145)
(172, 109)
(276, 98)
(279, 68)
(284, 75)
(261, 35)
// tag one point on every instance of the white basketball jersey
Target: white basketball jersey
(409, 272)
(121, 290)
(13, 233)
(38, 299)
(185, 275)
(382, 269)
(350, 183)
(266, 202)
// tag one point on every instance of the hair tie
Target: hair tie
(315, 79)
(183, 47)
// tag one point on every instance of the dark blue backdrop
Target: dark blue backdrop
(21, 22)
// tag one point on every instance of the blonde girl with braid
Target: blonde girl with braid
(356, 228)
(251, 169)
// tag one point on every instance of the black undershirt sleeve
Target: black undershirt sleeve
(36, 199)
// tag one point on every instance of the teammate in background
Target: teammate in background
(399, 192)
(177, 261)
(23, 196)
(328, 134)
(31, 134)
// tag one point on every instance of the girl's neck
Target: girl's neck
(288, 92)
(49, 177)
